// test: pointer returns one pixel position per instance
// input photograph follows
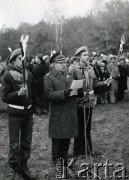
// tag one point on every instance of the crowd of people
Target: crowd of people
(102, 65)
(39, 66)
(47, 90)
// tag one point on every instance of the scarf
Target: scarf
(17, 75)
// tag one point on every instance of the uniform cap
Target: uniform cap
(80, 50)
(58, 56)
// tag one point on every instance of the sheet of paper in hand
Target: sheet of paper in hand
(76, 84)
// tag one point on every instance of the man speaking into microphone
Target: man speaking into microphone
(85, 96)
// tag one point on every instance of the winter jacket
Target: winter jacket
(39, 72)
(11, 84)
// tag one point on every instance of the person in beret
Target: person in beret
(62, 107)
(85, 71)
(21, 109)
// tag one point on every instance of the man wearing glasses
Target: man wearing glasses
(62, 107)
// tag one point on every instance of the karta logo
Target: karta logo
(65, 169)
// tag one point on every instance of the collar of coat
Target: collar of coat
(89, 70)
(17, 74)
(62, 76)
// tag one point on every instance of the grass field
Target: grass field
(110, 136)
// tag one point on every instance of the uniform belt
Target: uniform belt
(20, 107)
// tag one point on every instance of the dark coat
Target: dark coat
(30, 66)
(97, 71)
(104, 76)
(39, 72)
(128, 70)
(10, 87)
(122, 81)
(62, 110)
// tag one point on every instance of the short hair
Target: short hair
(40, 57)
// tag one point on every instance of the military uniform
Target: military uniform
(62, 112)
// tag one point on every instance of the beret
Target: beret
(81, 49)
(14, 54)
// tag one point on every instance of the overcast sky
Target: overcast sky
(13, 12)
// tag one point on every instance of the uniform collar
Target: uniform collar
(87, 67)
(61, 76)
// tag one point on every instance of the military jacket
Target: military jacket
(62, 110)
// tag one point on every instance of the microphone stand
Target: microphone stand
(86, 92)
(84, 108)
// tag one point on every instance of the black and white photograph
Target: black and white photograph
(64, 89)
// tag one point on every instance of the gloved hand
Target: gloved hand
(67, 92)
(80, 92)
